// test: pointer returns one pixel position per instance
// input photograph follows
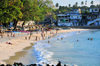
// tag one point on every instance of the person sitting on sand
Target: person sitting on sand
(9, 43)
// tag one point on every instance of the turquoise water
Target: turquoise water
(83, 52)
(74, 48)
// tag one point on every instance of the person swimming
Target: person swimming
(48, 41)
(91, 39)
(88, 38)
(61, 38)
(77, 40)
(57, 38)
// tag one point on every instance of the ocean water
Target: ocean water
(73, 48)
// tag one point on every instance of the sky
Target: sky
(66, 2)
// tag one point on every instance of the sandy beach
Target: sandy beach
(19, 43)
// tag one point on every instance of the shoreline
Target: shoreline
(6, 51)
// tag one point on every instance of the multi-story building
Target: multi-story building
(63, 20)
(69, 19)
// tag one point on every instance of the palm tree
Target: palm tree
(57, 5)
(82, 3)
(76, 4)
(92, 2)
(69, 5)
(86, 2)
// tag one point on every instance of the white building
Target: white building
(70, 19)
(63, 20)
(75, 16)
(94, 10)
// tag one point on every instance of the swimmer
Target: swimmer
(77, 40)
(88, 38)
(61, 38)
(91, 39)
(48, 41)
(57, 38)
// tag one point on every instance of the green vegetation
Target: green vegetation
(63, 9)
(24, 10)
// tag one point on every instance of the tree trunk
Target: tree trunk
(23, 25)
(15, 24)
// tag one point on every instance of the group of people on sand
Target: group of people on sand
(7, 34)
(30, 35)
(44, 33)
(11, 34)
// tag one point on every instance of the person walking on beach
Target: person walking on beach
(36, 38)
(56, 31)
(42, 36)
(42, 33)
(29, 37)
(13, 35)
(25, 38)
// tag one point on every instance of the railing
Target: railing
(90, 22)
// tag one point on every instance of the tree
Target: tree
(35, 10)
(18, 4)
(69, 5)
(86, 2)
(10, 10)
(26, 10)
(92, 2)
(57, 5)
(76, 4)
(82, 3)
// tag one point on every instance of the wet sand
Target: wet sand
(18, 55)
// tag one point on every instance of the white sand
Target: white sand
(20, 43)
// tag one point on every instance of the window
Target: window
(96, 9)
